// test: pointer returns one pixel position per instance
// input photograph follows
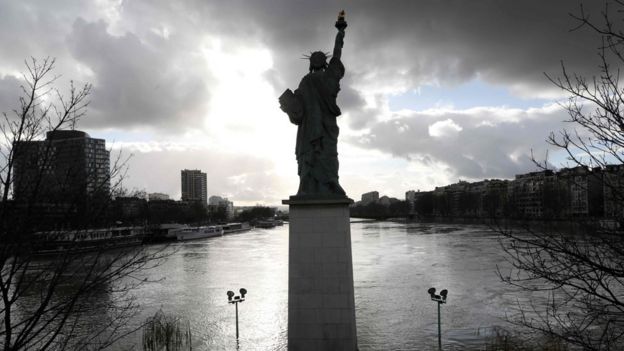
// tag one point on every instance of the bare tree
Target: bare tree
(575, 277)
(49, 302)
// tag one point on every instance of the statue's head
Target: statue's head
(318, 61)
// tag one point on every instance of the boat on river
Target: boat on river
(266, 224)
(88, 240)
(236, 228)
(165, 232)
(202, 232)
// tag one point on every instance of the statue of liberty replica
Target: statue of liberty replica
(321, 303)
(312, 107)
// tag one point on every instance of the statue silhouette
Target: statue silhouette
(312, 107)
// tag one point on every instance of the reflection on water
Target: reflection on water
(393, 264)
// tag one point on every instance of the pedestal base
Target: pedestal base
(321, 306)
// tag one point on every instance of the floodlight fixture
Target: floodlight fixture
(440, 299)
(235, 301)
(444, 293)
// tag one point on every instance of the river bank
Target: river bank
(581, 225)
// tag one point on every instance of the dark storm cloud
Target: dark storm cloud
(353, 104)
(476, 144)
(415, 42)
(400, 45)
(138, 82)
(140, 79)
(32, 30)
(9, 90)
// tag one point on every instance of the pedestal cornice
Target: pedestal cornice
(317, 200)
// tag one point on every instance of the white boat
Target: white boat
(168, 230)
(236, 228)
(60, 241)
(163, 232)
(193, 233)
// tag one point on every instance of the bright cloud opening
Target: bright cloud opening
(444, 128)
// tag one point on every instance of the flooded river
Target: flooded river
(393, 264)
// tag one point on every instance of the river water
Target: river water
(393, 265)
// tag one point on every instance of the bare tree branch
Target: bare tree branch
(46, 301)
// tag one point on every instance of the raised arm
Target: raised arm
(339, 42)
(341, 25)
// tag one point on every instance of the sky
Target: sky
(435, 91)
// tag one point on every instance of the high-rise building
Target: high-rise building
(372, 196)
(68, 166)
(194, 186)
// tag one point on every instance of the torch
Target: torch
(341, 24)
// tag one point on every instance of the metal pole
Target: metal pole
(236, 320)
(439, 329)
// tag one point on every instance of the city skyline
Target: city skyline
(432, 93)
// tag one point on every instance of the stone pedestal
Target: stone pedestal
(321, 306)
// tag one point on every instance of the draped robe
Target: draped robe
(317, 134)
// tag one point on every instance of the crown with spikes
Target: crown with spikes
(318, 60)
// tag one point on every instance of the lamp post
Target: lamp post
(235, 300)
(440, 299)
